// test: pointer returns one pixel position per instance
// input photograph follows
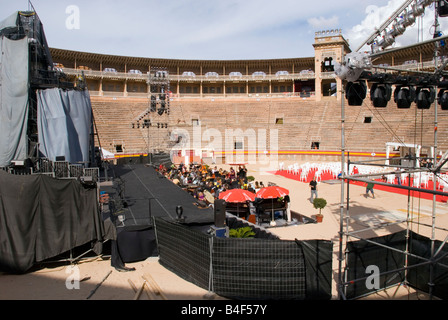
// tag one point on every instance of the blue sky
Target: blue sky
(209, 29)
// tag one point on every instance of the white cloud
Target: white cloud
(204, 29)
(323, 23)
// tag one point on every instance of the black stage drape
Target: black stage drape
(42, 217)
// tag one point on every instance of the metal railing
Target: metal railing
(56, 169)
(308, 75)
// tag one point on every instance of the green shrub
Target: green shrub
(244, 232)
(319, 203)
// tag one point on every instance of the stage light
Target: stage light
(179, 212)
(353, 66)
(409, 18)
(380, 94)
(443, 99)
(404, 96)
(355, 92)
(442, 9)
(399, 27)
(387, 40)
(419, 9)
(406, 18)
(425, 96)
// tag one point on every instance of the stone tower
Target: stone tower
(329, 47)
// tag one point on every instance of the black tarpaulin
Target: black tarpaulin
(319, 268)
(375, 252)
(144, 182)
(236, 268)
(42, 217)
(420, 277)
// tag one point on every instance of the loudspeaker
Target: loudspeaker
(220, 213)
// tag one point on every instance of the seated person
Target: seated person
(202, 201)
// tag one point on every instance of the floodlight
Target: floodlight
(442, 8)
(404, 96)
(355, 92)
(380, 94)
(399, 27)
(408, 18)
(425, 97)
(353, 66)
(387, 39)
(419, 9)
(443, 99)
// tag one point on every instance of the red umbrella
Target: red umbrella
(272, 192)
(237, 196)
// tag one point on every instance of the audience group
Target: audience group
(197, 179)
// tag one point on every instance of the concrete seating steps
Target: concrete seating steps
(302, 120)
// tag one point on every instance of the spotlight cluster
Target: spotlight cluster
(404, 19)
(405, 90)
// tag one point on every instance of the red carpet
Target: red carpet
(329, 176)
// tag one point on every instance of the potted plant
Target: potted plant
(319, 203)
(244, 232)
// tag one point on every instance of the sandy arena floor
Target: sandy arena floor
(99, 281)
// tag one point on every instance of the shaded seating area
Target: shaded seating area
(268, 210)
(272, 204)
(266, 206)
(241, 210)
(238, 202)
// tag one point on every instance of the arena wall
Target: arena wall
(297, 122)
(287, 108)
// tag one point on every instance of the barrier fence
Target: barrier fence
(239, 268)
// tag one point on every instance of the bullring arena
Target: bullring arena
(286, 121)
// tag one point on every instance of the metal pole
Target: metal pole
(407, 232)
(341, 287)
(347, 221)
(436, 55)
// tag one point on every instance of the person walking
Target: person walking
(369, 188)
(313, 187)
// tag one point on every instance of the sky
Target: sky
(212, 29)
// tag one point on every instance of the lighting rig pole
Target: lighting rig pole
(341, 258)
(437, 33)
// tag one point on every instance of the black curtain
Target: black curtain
(42, 217)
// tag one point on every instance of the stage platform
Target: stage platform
(144, 194)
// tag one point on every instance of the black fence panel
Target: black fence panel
(419, 276)
(184, 251)
(255, 268)
(363, 254)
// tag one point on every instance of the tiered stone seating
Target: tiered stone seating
(304, 121)
(114, 119)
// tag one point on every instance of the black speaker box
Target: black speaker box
(220, 213)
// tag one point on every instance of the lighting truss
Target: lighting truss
(159, 85)
(397, 23)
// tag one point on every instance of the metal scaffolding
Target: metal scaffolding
(345, 234)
